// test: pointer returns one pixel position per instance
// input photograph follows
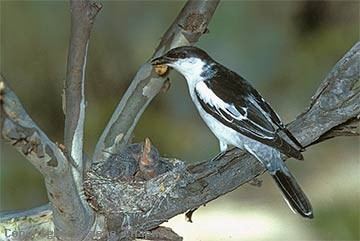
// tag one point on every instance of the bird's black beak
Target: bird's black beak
(161, 60)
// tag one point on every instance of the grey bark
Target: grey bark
(139, 205)
(33, 224)
(63, 165)
(187, 28)
(19, 130)
(150, 190)
(83, 14)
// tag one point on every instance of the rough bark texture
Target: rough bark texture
(63, 165)
(134, 190)
(187, 28)
(138, 205)
(19, 130)
(34, 224)
(63, 180)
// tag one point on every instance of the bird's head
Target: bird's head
(189, 61)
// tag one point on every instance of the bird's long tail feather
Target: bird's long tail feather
(292, 192)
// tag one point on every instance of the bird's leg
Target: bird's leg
(223, 146)
(219, 155)
(256, 181)
(223, 149)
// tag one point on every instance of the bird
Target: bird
(239, 116)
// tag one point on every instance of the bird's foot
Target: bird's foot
(257, 182)
(218, 156)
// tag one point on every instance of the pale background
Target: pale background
(284, 48)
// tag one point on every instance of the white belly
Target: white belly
(267, 155)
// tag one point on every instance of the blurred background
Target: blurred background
(284, 49)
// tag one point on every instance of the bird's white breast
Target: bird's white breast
(192, 69)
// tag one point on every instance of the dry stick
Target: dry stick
(187, 28)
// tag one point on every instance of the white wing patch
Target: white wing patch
(210, 98)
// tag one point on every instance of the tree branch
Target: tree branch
(336, 98)
(63, 182)
(349, 128)
(187, 28)
(19, 130)
(142, 205)
(33, 224)
(83, 13)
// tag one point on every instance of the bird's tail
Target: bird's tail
(292, 192)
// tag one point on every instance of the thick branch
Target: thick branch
(133, 206)
(37, 224)
(19, 130)
(63, 186)
(349, 128)
(190, 24)
(34, 224)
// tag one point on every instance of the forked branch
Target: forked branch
(63, 181)
(187, 28)
(19, 130)
(137, 208)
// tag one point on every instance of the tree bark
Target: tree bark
(19, 130)
(140, 205)
(187, 28)
(61, 166)
(134, 203)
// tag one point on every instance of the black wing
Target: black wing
(239, 106)
(274, 117)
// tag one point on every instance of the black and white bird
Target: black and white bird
(237, 114)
